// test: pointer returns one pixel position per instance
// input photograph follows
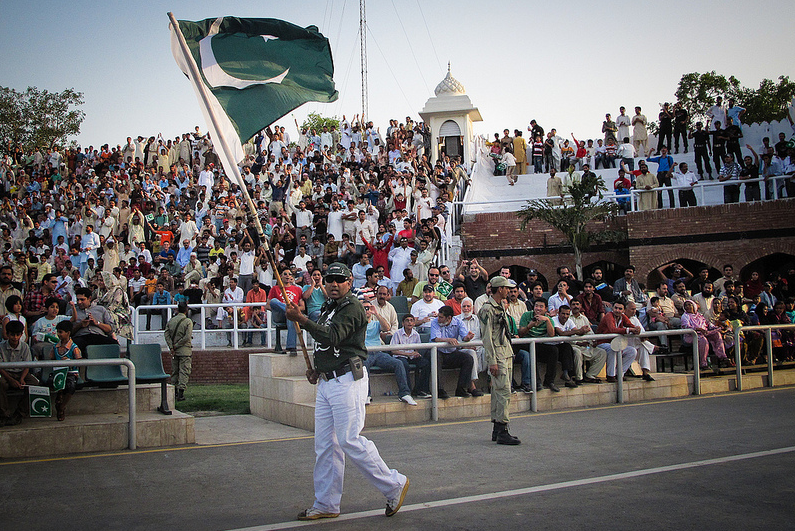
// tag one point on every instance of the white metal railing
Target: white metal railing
(532, 341)
(131, 431)
(768, 331)
(270, 329)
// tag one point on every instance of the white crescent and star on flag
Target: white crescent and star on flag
(216, 76)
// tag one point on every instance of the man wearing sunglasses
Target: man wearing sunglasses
(339, 405)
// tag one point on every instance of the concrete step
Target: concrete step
(93, 433)
(92, 401)
(389, 411)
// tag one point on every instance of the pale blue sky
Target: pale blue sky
(564, 64)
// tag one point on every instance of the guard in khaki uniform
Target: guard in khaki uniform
(179, 336)
(499, 357)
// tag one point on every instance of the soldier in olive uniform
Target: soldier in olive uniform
(179, 337)
(339, 406)
(499, 357)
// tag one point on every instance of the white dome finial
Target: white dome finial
(449, 85)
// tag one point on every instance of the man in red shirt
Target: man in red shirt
(380, 252)
(459, 293)
(407, 232)
(255, 294)
(616, 322)
(592, 306)
(277, 306)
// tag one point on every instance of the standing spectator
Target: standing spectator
(681, 118)
(640, 136)
(609, 128)
(730, 172)
(666, 118)
(685, 178)
(665, 165)
(717, 114)
(701, 148)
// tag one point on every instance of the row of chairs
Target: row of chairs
(148, 362)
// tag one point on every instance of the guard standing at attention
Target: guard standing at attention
(499, 357)
(179, 337)
(339, 406)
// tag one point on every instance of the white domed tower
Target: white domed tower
(449, 116)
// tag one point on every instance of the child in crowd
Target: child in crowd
(655, 312)
(14, 349)
(14, 307)
(43, 334)
(66, 349)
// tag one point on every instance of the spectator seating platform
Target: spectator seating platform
(96, 421)
(279, 392)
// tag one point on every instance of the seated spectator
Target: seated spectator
(421, 362)
(704, 300)
(426, 309)
(14, 349)
(43, 334)
(663, 316)
(277, 306)
(376, 323)
(579, 325)
(538, 324)
(445, 328)
(591, 303)
(458, 295)
(561, 298)
(708, 336)
(160, 297)
(616, 322)
(255, 315)
(602, 288)
(314, 295)
(92, 323)
(14, 313)
(565, 350)
(644, 347)
(65, 349)
(383, 307)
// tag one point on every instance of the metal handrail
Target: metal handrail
(269, 329)
(131, 431)
(768, 330)
(433, 346)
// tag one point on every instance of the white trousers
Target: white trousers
(339, 419)
(627, 357)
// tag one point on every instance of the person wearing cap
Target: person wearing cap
(426, 309)
(494, 329)
(179, 336)
(340, 400)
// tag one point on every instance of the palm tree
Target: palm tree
(582, 205)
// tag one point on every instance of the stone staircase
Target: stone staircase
(279, 392)
(96, 421)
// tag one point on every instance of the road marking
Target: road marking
(400, 428)
(532, 490)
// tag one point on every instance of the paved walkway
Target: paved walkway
(713, 462)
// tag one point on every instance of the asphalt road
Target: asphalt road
(720, 462)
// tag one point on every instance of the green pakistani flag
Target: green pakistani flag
(251, 72)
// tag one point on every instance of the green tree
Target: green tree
(316, 122)
(698, 92)
(769, 103)
(582, 205)
(39, 118)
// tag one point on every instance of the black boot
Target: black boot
(503, 437)
(494, 431)
(180, 395)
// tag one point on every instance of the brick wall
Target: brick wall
(215, 366)
(738, 234)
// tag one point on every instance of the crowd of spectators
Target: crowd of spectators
(627, 139)
(155, 221)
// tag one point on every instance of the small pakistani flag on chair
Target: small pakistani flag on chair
(249, 72)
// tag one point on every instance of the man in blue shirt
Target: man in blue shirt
(183, 256)
(159, 297)
(665, 168)
(447, 329)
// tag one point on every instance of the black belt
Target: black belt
(330, 375)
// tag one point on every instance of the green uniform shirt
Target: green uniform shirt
(179, 334)
(494, 330)
(339, 332)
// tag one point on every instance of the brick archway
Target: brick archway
(645, 269)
